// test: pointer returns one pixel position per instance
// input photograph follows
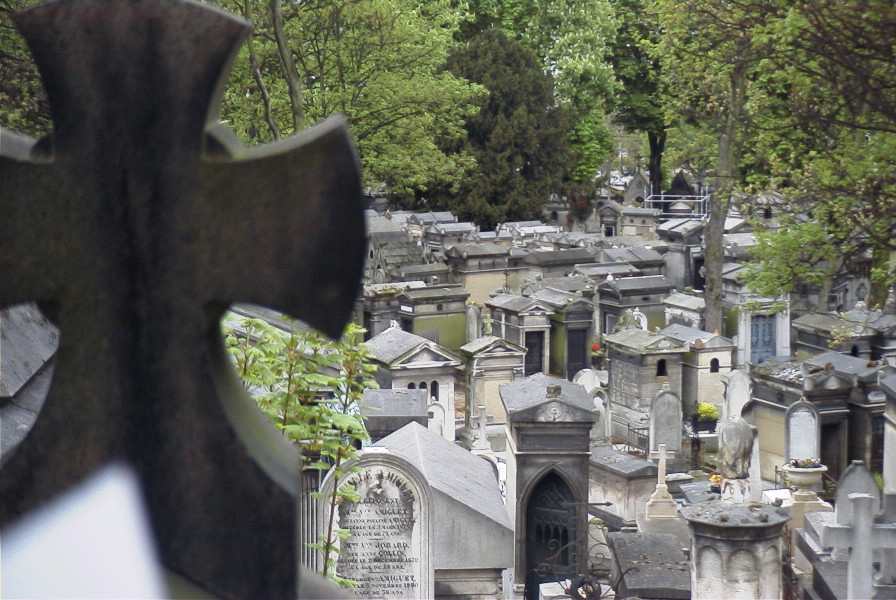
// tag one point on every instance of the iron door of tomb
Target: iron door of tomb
(576, 355)
(550, 534)
(762, 338)
(534, 352)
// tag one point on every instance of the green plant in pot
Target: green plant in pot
(707, 416)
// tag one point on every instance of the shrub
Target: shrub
(707, 411)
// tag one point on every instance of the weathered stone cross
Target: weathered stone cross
(862, 536)
(134, 226)
(661, 455)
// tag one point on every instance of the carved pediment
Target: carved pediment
(555, 411)
(426, 355)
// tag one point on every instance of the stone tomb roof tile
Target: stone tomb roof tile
(653, 565)
(843, 364)
(555, 298)
(475, 249)
(511, 302)
(691, 335)
(683, 300)
(604, 269)
(640, 340)
(526, 393)
(560, 257)
(455, 292)
(646, 283)
(450, 469)
(394, 403)
(622, 463)
(488, 342)
(393, 343)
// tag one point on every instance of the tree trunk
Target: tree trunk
(657, 141)
(289, 68)
(713, 234)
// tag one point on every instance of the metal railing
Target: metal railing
(698, 204)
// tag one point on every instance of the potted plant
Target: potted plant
(804, 473)
(715, 483)
(707, 416)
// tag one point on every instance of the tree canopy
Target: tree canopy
(517, 137)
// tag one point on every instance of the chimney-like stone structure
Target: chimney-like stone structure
(735, 550)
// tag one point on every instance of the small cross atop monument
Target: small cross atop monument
(135, 225)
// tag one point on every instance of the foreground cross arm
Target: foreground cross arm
(282, 226)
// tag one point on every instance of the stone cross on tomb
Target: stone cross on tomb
(862, 537)
(134, 226)
(661, 455)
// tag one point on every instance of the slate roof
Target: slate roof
(640, 340)
(633, 255)
(647, 283)
(430, 217)
(427, 269)
(394, 403)
(556, 298)
(474, 249)
(570, 256)
(566, 284)
(603, 269)
(510, 302)
(525, 393)
(448, 468)
(844, 364)
(688, 301)
(689, 335)
(463, 227)
(828, 322)
(454, 292)
(393, 343)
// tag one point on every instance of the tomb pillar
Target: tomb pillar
(735, 551)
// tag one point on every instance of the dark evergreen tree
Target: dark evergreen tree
(518, 137)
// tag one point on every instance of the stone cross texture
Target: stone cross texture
(134, 226)
(862, 536)
(661, 455)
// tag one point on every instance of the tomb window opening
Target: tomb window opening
(661, 368)
(714, 365)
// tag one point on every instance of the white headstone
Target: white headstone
(388, 552)
(801, 424)
(665, 422)
(856, 479)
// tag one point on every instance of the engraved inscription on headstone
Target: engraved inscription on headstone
(665, 422)
(801, 422)
(387, 553)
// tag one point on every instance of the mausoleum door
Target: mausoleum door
(534, 352)
(762, 338)
(550, 534)
(576, 358)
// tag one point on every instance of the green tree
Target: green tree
(379, 62)
(517, 137)
(310, 387)
(572, 39)
(708, 51)
(639, 98)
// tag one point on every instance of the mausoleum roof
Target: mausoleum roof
(683, 300)
(692, 335)
(523, 394)
(448, 468)
(393, 343)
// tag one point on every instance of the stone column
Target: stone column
(735, 551)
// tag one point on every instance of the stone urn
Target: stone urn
(804, 478)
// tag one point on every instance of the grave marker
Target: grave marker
(738, 391)
(665, 422)
(138, 222)
(388, 552)
(802, 427)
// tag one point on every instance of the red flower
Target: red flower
(595, 347)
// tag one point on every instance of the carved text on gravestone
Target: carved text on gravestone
(382, 554)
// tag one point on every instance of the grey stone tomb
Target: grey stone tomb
(135, 225)
(735, 455)
(802, 427)
(665, 422)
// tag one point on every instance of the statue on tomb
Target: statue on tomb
(735, 449)
(486, 321)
